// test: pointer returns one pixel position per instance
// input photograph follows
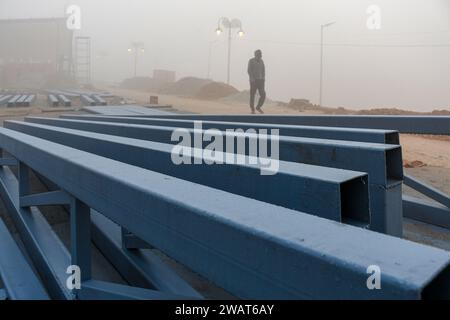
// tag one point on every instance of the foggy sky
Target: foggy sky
(177, 34)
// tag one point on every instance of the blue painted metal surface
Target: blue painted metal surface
(48, 253)
(29, 100)
(16, 274)
(439, 125)
(126, 110)
(141, 268)
(53, 100)
(5, 99)
(425, 211)
(87, 100)
(427, 190)
(3, 295)
(360, 135)
(99, 290)
(99, 100)
(239, 249)
(382, 162)
(12, 102)
(335, 194)
(64, 100)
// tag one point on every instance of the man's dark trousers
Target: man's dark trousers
(257, 85)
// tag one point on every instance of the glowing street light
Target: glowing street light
(136, 47)
(230, 25)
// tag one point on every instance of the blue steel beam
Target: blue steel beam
(87, 101)
(427, 190)
(99, 100)
(52, 100)
(16, 274)
(48, 253)
(141, 268)
(5, 99)
(335, 194)
(13, 100)
(29, 100)
(64, 100)
(361, 135)
(236, 242)
(99, 290)
(382, 162)
(425, 211)
(439, 125)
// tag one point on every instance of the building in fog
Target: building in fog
(164, 76)
(35, 53)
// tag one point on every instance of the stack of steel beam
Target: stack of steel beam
(64, 100)
(99, 100)
(299, 234)
(53, 100)
(4, 99)
(12, 102)
(87, 100)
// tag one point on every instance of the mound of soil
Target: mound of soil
(215, 90)
(188, 87)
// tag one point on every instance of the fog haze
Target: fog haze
(406, 64)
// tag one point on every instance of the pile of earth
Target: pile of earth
(186, 87)
(215, 90)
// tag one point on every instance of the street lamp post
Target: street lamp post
(136, 47)
(230, 25)
(322, 27)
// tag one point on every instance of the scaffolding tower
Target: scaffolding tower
(83, 60)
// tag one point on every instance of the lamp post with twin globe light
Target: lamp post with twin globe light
(229, 24)
(136, 47)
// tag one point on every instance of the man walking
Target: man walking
(257, 74)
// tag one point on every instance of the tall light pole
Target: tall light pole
(136, 47)
(230, 25)
(322, 27)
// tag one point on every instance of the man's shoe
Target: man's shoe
(260, 110)
(253, 111)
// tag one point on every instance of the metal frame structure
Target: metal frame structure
(239, 250)
(414, 208)
(335, 194)
(115, 180)
(382, 162)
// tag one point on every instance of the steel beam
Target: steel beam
(361, 135)
(29, 100)
(99, 290)
(5, 99)
(238, 242)
(64, 100)
(87, 101)
(382, 162)
(48, 253)
(439, 125)
(425, 211)
(52, 100)
(12, 102)
(99, 100)
(21, 101)
(427, 190)
(141, 268)
(16, 274)
(336, 194)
